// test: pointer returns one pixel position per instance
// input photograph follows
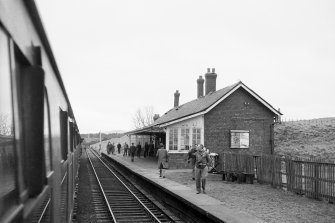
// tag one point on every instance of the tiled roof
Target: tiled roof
(195, 106)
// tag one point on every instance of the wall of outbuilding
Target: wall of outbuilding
(239, 111)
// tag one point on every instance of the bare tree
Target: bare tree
(143, 117)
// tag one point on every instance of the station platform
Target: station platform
(148, 168)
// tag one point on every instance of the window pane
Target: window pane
(170, 139)
(7, 153)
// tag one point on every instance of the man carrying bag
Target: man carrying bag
(202, 161)
(163, 160)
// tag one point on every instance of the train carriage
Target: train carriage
(39, 136)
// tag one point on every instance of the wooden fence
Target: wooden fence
(313, 178)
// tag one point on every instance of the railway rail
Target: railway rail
(122, 201)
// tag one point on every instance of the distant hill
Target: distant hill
(115, 131)
(308, 138)
(95, 137)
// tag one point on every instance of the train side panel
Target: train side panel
(28, 47)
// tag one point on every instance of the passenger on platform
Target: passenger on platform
(202, 162)
(108, 147)
(151, 149)
(125, 149)
(113, 148)
(191, 159)
(132, 151)
(118, 148)
(163, 160)
(139, 149)
(146, 149)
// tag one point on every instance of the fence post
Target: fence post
(316, 180)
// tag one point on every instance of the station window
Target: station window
(185, 139)
(173, 139)
(196, 136)
(239, 139)
(7, 142)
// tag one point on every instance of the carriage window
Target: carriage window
(63, 133)
(7, 146)
(47, 142)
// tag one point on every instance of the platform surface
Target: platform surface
(148, 168)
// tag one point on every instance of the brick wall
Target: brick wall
(234, 114)
(178, 161)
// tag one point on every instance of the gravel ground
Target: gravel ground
(263, 201)
(85, 207)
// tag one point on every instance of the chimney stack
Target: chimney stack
(176, 98)
(210, 78)
(156, 116)
(200, 82)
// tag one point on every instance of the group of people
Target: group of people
(111, 148)
(200, 161)
(149, 150)
(198, 156)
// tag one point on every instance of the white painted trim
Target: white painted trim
(182, 119)
(176, 151)
(219, 101)
(260, 99)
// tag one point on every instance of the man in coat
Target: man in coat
(132, 151)
(146, 149)
(202, 162)
(191, 159)
(118, 148)
(125, 149)
(139, 148)
(163, 160)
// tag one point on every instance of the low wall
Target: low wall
(179, 161)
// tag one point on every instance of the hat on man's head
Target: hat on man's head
(161, 145)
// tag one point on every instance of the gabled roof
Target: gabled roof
(204, 104)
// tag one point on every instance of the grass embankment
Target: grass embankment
(307, 139)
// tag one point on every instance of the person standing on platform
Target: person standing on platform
(132, 151)
(139, 148)
(163, 160)
(113, 148)
(146, 149)
(202, 161)
(125, 149)
(118, 148)
(191, 159)
(108, 148)
(151, 149)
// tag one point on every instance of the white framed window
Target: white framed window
(185, 139)
(239, 139)
(173, 139)
(196, 136)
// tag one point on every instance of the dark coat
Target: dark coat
(163, 156)
(191, 156)
(202, 157)
(132, 149)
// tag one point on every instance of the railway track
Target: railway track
(123, 202)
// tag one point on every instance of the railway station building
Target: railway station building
(233, 118)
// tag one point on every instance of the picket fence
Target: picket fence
(309, 177)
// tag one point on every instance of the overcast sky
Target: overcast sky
(118, 56)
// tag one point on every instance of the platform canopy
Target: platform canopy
(149, 130)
